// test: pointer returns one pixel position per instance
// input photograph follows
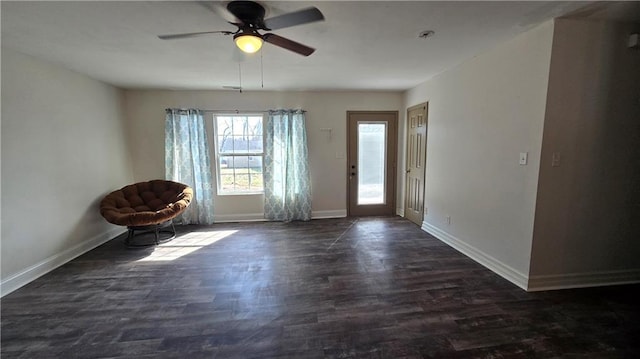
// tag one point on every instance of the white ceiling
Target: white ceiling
(362, 45)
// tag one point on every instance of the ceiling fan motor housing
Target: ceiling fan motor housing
(250, 13)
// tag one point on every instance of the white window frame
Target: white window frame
(217, 154)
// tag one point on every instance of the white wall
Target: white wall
(587, 225)
(327, 157)
(63, 149)
(482, 114)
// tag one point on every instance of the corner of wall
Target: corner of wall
(505, 271)
(585, 229)
(45, 266)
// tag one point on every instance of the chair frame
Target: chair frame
(156, 229)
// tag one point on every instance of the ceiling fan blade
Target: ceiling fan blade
(299, 17)
(192, 34)
(288, 44)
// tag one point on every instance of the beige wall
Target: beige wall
(64, 145)
(145, 115)
(482, 114)
(62, 149)
(587, 223)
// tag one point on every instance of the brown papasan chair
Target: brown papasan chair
(149, 207)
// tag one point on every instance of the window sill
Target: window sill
(240, 194)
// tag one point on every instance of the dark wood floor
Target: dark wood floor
(345, 288)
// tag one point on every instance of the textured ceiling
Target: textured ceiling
(362, 45)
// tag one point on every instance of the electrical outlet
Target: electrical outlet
(448, 219)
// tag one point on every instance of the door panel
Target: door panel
(371, 162)
(416, 163)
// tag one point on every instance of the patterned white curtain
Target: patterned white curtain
(287, 185)
(187, 161)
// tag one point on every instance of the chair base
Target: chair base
(162, 233)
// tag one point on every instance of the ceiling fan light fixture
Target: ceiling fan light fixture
(248, 16)
(248, 42)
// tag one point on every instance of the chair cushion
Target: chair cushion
(146, 203)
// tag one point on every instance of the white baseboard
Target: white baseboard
(37, 270)
(338, 213)
(258, 217)
(248, 217)
(501, 269)
(400, 212)
(583, 280)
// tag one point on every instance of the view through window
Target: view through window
(239, 153)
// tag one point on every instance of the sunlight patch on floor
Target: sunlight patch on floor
(184, 245)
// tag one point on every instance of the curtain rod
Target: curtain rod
(236, 111)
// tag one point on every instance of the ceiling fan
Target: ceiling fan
(248, 16)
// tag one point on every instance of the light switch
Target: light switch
(524, 156)
(555, 159)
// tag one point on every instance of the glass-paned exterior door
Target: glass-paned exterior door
(372, 155)
(371, 163)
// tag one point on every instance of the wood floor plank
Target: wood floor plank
(336, 288)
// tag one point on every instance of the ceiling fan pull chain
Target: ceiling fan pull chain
(261, 70)
(240, 75)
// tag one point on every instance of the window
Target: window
(239, 152)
